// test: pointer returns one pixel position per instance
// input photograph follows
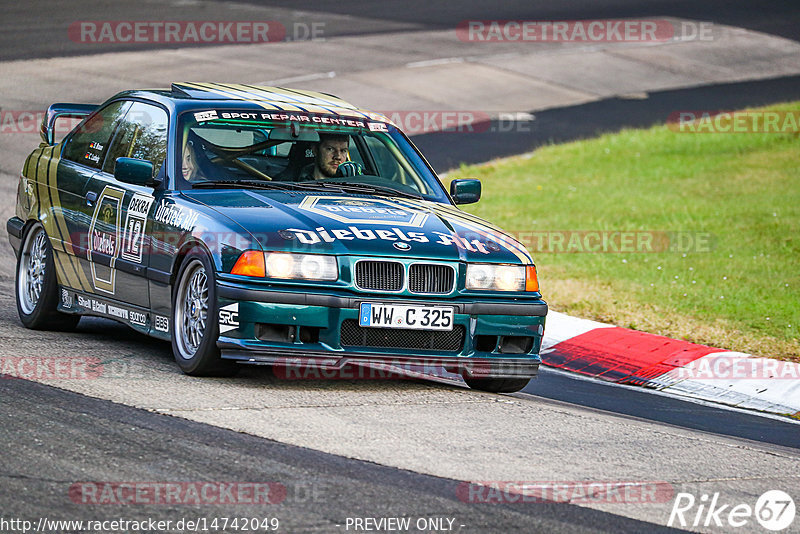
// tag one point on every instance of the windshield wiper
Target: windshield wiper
(255, 184)
(316, 185)
(357, 187)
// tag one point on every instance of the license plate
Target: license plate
(375, 314)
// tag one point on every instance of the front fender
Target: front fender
(178, 223)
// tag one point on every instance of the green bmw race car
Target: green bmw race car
(269, 226)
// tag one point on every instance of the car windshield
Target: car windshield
(228, 148)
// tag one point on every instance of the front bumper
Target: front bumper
(492, 338)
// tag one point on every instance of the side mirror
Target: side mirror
(134, 171)
(465, 191)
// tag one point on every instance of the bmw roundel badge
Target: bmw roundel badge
(401, 245)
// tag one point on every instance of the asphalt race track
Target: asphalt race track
(447, 150)
(28, 28)
(76, 438)
(340, 450)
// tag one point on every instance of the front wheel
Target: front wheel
(497, 385)
(37, 286)
(194, 319)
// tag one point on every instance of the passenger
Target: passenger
(195, 165)
(189, 168)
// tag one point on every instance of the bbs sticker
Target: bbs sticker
(161, 323)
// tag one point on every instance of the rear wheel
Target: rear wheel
(37, 286)
(194, 319)
(497, 385)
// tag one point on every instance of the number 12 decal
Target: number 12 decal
(135, 223)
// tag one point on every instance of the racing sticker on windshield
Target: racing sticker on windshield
(373, 211)
(104, 238)
(309, 118)
(135, 223)
(201, 116)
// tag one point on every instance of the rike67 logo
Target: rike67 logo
(774, 510)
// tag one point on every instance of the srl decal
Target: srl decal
(209, 115)
(229, 317)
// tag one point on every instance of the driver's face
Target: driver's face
(329, 155)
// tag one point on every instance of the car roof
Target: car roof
(184, 96)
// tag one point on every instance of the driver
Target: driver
(330, 159)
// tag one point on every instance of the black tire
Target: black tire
(36, 285)
(497, 385)
(194, 324)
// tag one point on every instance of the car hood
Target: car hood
(363, 225)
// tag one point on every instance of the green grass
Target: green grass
(743, 189)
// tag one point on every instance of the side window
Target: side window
(393, 165)
(89, 143)
(142, 135)
(355, 154)
(385, 161)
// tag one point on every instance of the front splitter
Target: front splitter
(324, 362)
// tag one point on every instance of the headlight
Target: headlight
(286, 265)
(301, 266)
(498, 277)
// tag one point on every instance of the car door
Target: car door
(79, 160)
(118, 225)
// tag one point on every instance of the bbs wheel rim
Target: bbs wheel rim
(191, 309)
(32, 270)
